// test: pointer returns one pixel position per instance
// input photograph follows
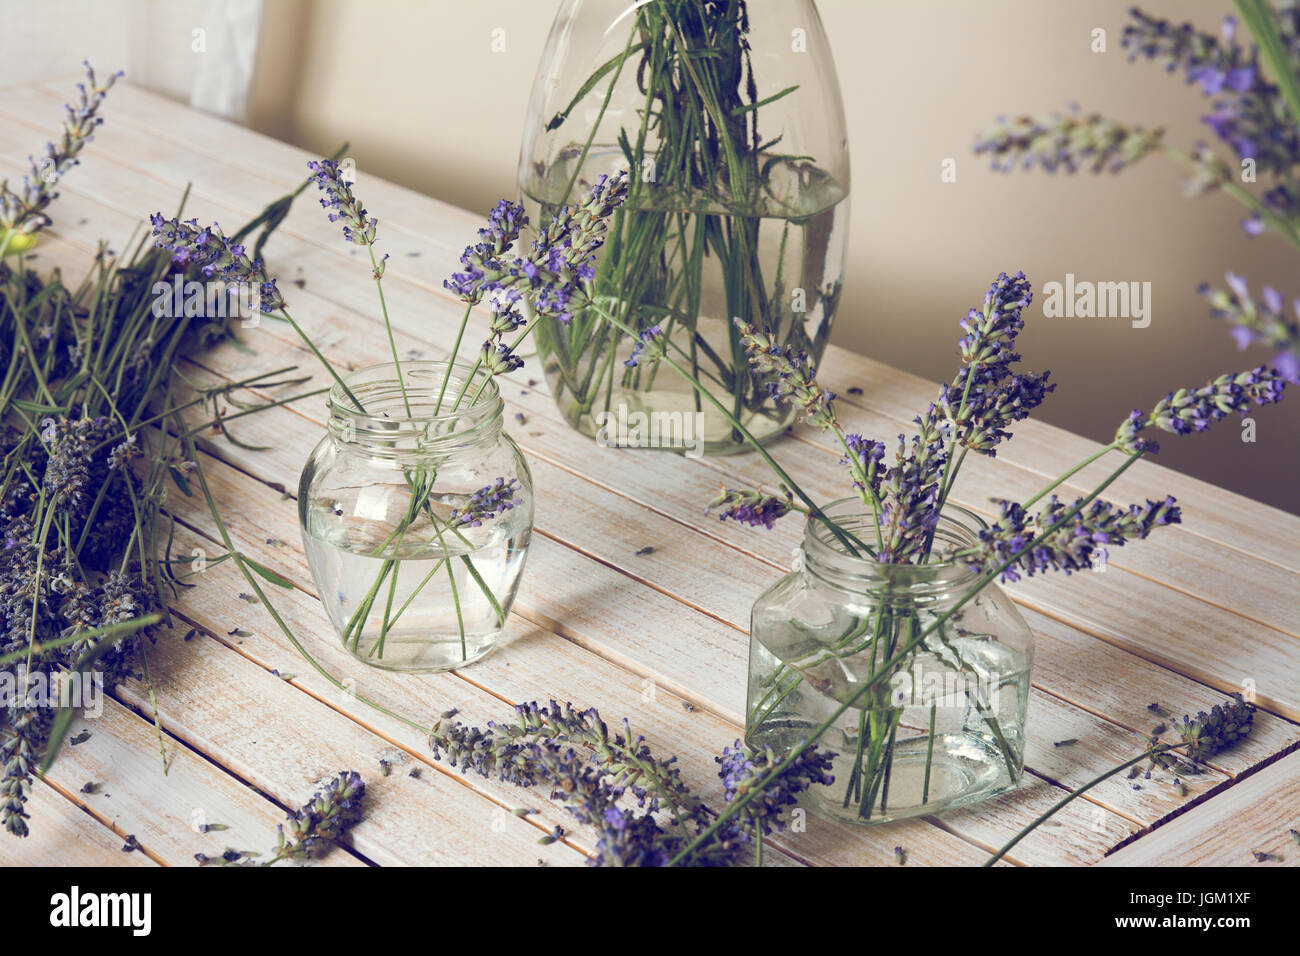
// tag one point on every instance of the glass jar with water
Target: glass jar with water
(416, 512)
(935, 720)
(728, 117)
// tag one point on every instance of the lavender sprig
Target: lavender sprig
(743, 770)
(309, 832)
(1205, 735)
(216, 256)
(1067, 141)
(341, 203)
(648, 335)
(613, 783)
(1078, 544)
(1216, 63)
(863, 457)
(1249, 112)
(207, 249)
(788, 375)
(752, 507)
(485, 504)
(1208, 733)
(545, 282)
(985, 397)
(359, 227)
(23, 212)
(1195, 410)
(909, 495)
(1268, 322)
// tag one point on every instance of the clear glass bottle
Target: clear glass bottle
(729, 117)
(416, 516)
(944, 724)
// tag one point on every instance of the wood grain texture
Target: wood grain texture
(659, 636)
(1256, 815)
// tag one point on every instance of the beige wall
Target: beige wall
(418, 91)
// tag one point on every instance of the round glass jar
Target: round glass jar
(416, 516)
(730, 121)
(943, 725)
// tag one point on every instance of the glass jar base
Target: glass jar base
(669, 421)
(423, 655)
(960, 769)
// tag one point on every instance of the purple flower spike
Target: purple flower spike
(1080, 543)
(549, 278)
(788, 375)
(24, 211)
(486, 503)
(751, 507)
(342, 204)
(1269, 322)
(215, 256)
(651, 334)
(1195, 410)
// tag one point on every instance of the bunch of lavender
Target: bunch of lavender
(92, 421)
(311, 831)
(642, 811)
(22, 213)
(1254, 94)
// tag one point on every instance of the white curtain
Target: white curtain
(200, 52)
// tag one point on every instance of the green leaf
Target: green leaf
(739, 110)
(265, 572)
(37, 408)
(558, 120)
(181, 483)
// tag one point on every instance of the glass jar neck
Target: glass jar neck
(433, 408)
(936, 582)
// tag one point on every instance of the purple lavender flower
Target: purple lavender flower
(1216, 63)
(751, 507)
(216, 256)
(1068, 142)
(342, 204)
(546, 281)
(1194, 410)
(1079, 544)
(986, 397)
(1248, 113)
(863, 461)
(486, 503)
(788, 375)
(24, 211)
(910, 491)
(327, 816)
(1225, 725)
(560, 258)
(741, 770)
(1268, 322)
(648, 335)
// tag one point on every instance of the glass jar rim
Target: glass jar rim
(827, 557)
(414, 411)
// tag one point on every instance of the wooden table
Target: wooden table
(657, 636)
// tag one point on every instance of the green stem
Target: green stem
(1145, 755)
